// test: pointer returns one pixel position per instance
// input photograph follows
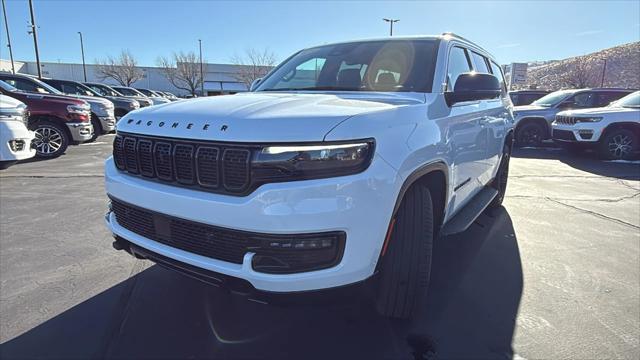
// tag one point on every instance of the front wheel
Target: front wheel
(97, 128)
(530, 134)
(406, 263)
(51, 139)
(619, 144)
(502, 177)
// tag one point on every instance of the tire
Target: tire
(502, 177)
(97, 128)
(406, 265)
(51, 139)
(5, 164)
(530, 134)
(619, 144)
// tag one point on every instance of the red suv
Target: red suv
(56, 120)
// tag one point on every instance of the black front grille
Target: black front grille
(566, 120)
(228, 244)
(563, 135)
(209, 166)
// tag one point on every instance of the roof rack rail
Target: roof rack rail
(457, 36)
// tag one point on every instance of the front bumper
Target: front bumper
(108, 123)
(80, 132)
(15, 141)
(359, 205)
(579, 132)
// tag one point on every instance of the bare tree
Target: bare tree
(123, 69)
(253, 65)
(182, 70)
(578, 74)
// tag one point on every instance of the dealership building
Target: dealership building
(218, 78)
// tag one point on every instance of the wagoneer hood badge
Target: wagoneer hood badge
(254, 117)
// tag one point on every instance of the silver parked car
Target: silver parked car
(533, 122)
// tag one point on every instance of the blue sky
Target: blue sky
(511, 30)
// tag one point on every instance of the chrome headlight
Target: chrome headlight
(83, 109)
(589, 119)
(303, 162)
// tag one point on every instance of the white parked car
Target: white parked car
(15, 138)
(614, 130)
(343, 165)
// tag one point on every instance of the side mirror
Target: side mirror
(474, 86)
(254, 84)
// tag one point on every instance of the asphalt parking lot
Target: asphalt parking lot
(555, 273)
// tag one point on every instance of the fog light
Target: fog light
(585, 134)
(16, 145)
(299, 253)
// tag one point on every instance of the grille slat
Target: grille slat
(235, 168)
(130, 158)
(145, 158)
(207, 166)
(183, 163)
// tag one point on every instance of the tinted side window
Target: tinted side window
(496, 70)
(584, 100)
(605, 98)
(56, 85)
(458, 64)
(25, 85)
(479, 63)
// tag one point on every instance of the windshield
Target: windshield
(104, 90)
(7, 87)
(128, 91)
(630, 101)
(553, 98)
(145, 92)
(48, 87)
(77, 89)
(401, 65)
(87, 89)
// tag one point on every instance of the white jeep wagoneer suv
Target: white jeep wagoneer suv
(345, 163)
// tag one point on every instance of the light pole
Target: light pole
(604, 69)
(201, 72)
(6, 24)
(391, 21)
(34, 32)
(84, 66)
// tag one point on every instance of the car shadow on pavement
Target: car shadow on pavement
(587, 161)
(469, 312)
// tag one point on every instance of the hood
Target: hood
(529, 108)
(258, 116)
(597, 111)
(120, 99)
(93, 100)
(7, 102)
(63, 99)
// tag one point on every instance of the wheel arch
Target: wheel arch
(534, 119)
(33, 120)
(435, 176)
(628, 125)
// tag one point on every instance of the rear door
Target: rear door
(492, 120)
